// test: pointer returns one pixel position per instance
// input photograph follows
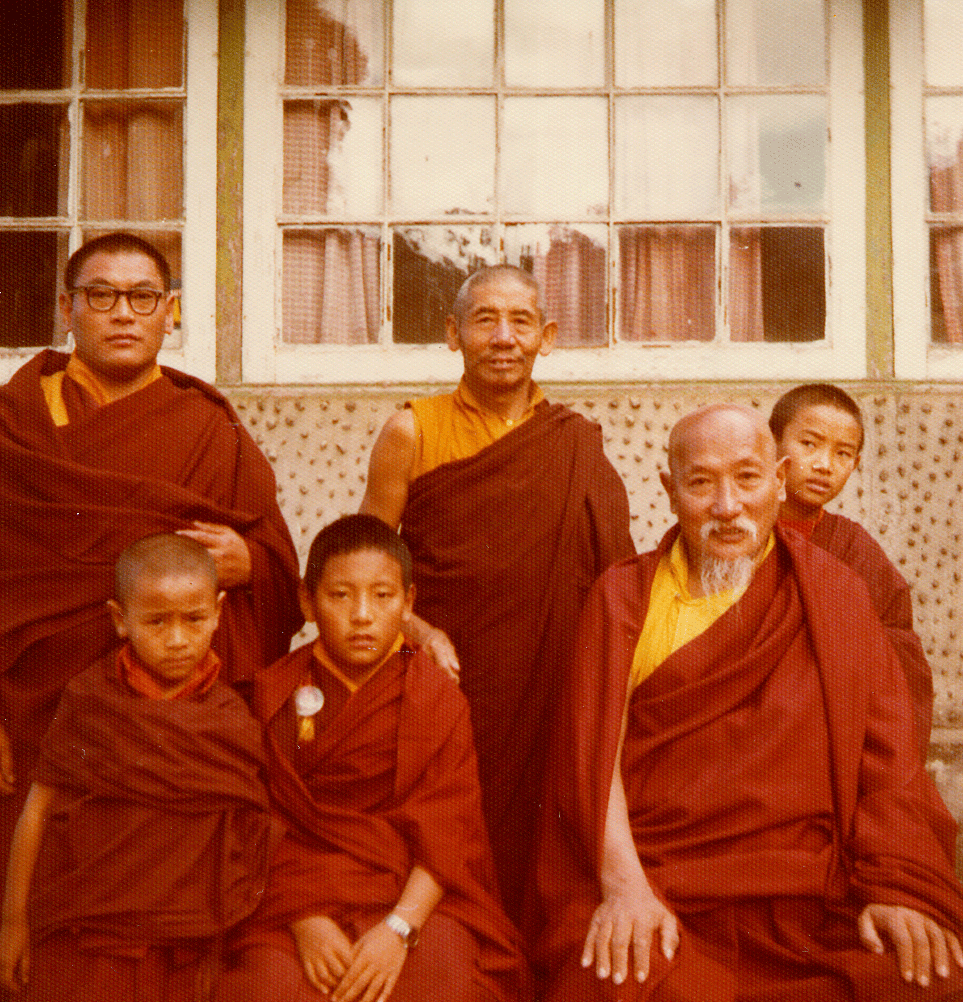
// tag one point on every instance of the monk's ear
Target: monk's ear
(219, 602)
(117, 615)
(451, 333)
(66, 310)
(782, 468)
(549, 336)
(306, 601)
(409, 607)
(666, 479)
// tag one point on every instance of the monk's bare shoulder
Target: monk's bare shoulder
(389, 472)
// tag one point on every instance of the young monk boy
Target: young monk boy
(145, 832)
(383, 885)
(820, 428)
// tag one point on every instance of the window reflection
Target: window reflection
(552, 44)
(333, 43)
(665, 43)
(447, 45)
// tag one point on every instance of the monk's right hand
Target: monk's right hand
(623, 920)
(442, 650)
(325, 951)
(8, 778)
(14, 953)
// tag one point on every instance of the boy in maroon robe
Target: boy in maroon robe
(145, 833)
(820, 428)
(383, 885)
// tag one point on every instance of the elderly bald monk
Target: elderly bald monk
(737, 809)
(511, 511)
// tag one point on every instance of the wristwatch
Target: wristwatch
(407, 933)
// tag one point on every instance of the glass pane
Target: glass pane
(777, 283)
(134, 44)
(332, 157)
(33, 159)
(331, 287)
(942, 31)
(777, 147)
(667, 283)
(944, 152)
(666, 157)
(664, 43)
(552, 44)
(776, 43)
(555, 156)
(443, 45)
(946, 285)
(133, 166)
(35, 45)
(330, 43)
(569, 263)
(430, 263)
(442, 155)
(30, 266)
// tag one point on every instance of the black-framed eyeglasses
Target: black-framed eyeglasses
(103, 298)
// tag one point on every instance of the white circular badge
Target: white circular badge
(308, 700)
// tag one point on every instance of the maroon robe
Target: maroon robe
(772, 792)
(506, 545)
(390, 783)
(159, 831)
(72, 498)
(849, 542)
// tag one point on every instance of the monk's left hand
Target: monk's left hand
(227, 547)
(378, 958)
(922, 944)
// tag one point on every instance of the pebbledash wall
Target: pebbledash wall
(908, 491)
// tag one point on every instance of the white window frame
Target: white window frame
(198, 351)
(265, 359)
(915, 355)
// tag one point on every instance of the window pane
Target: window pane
(331, 286)
(667, 283)
(134, 44)
(555, 156)
(777, 286)
(944, 145)
(943, 29)
(662, 43)
(442, 155)
(552, 44)
(133, 160)
(30, 265)
(946, 285)
(33, 159)
(775, 43)
(332, 157)
(569, 264)
(443, 45)
(334, 43)
(666, 157)
(430, 263)
(777, 153)
(35, 45)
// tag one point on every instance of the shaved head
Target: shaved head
(714, 421)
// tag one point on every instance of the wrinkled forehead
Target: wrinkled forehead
(720, 439)
(503, 289)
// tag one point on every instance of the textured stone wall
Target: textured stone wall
(907, 491)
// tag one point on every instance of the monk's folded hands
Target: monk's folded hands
(378, 958)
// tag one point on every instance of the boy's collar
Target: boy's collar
(133, 674)
(321, 655)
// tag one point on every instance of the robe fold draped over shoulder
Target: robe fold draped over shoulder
(506, 545)
(160, 828)
(391, 782)
(849, 542)
(771, 758)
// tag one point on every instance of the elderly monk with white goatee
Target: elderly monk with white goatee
(737, 810)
